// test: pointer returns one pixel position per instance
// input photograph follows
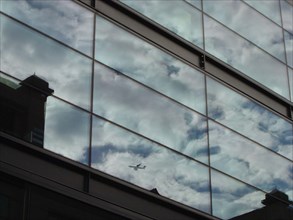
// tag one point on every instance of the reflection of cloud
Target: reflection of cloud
(66, 130)
(174, 176)
(290, 71)
(177, 16)
(242, 55)
(56, 19)
(232, 198)
(142, 110)
(258, 124)
(270, 9)
(287, 16)
(27, 52)
(248, 161)
(289, 48)
(149, 65)
(248, 23)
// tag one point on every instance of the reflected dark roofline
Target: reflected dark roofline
(38, 83)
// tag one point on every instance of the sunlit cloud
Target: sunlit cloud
(166, 171)
(245, 57)
(26, 53)
(177, 16)
(57, 19)
(66, 130)
(149, 65)
(254, 28)
(152, 115)
(259, 124)
(248, 161)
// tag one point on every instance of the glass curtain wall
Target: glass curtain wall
(235, 38)
(79, 85)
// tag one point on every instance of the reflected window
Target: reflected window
(67, 130)
(231, 198)
(134, 159)
(249, 118)
(63, 20)
(145, 63)
(142, 110)
(242, 55)
(177, 16)
(249, 24)
(25, 52)
(248, 161)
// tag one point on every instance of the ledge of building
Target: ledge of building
(54, 172)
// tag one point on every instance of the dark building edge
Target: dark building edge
(27, 164)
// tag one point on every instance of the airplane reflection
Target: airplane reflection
(138, 166)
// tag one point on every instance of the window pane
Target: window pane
(231, 198)
(242, 55)
(249, 118)
(196, 3)
(139, 161)
(66, 130)
(249, 24)
(177, 16)
(247, 161)
(149, 65)
(289, 47)
(138, 108)
(25, 53)
(290, 71)
(271, 9)
(287, 16)
(63, 20)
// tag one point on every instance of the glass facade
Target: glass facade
(80, 85)
(251, 41)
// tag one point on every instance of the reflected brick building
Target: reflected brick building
(23, 109)
(146, 110)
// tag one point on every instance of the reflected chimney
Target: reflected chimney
(22, 109)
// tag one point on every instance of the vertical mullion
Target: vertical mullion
(207, 121)
(284, 44)
(92, 92)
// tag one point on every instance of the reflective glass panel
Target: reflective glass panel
(290, 71)
(177, 16)
(144, 62)
(271, 9)
(134, 159)
(66, 130)
(142, 110)
(248, 23)
(25, 53)
(196, 3)
(289, 48)
(249, 118)
(231, 198)
(242, 55)
(248, 161)
(287, 16)
(63, 20)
